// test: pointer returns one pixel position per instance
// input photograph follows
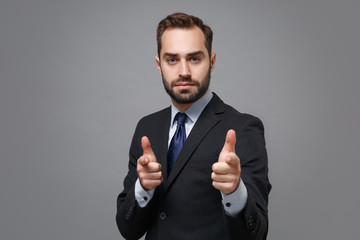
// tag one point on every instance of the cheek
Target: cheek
(200, 73)
(168, 72)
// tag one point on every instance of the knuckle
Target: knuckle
(232, 178)
(155, 176)
(145, 182)
(228, 188)
(155, 183)
(158, 166)
(155, 168)
(214, 167)
(140, 167)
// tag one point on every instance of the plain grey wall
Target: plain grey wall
(76, 76)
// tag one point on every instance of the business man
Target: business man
(198, 169)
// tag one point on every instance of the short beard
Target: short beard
(184, 97)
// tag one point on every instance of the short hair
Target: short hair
(184, 21)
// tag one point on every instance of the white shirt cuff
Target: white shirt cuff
(142, 196)
(236, 201)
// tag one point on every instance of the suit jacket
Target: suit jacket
(186, 205)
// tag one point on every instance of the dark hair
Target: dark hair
(182, 20)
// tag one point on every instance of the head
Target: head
(184, 58)
(183, 21)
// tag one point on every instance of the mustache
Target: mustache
(180, 79)
(187, 80)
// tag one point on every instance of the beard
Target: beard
(186, 96)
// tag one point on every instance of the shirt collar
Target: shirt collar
(194, 111)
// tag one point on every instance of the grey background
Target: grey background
(76, 76)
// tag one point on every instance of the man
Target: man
(214, 184)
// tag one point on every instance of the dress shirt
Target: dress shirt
(193, 113)
(233, 203)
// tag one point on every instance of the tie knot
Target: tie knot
(181, 117)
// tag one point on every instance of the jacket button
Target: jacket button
(162, 216)
(251, 223)
(130, 213)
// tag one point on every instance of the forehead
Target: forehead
(182, 41)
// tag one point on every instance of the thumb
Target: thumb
(230, 141)
(146, 146)
(232, 159)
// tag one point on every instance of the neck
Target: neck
(181, 106)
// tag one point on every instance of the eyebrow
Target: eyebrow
(169, 55)
(197, 53)
(201, 53)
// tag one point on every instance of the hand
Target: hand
(148, 169)
(226, 172)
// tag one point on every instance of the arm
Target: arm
(133, 220)
(251, 222)
(254, 164)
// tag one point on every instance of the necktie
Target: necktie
(177, 141)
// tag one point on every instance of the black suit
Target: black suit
(186, 206)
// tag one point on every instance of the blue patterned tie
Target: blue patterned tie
(177, 141)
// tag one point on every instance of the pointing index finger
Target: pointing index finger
(230, 141)
(146, 146)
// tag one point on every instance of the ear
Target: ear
(158, 64)
(212, 61)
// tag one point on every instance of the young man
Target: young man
(198, 175)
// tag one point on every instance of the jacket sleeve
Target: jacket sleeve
(250, 148)
(131, 219)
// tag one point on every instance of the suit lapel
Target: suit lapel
(160, 139)
(207, 120)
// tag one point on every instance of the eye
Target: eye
(194, 59)
(171, 60)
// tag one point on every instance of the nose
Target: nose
(184, 69)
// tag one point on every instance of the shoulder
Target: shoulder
(243, 123)
(154, 122)
(151, 125)
(231, 116)
(218, 106)
(155, 117)
(230, 111)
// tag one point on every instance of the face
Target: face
(185, 65)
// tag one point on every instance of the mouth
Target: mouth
(184, 85)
